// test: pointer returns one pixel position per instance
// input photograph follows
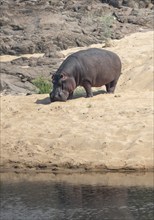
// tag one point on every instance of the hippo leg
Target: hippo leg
(110, 87)
(70, 95)
(87, 87)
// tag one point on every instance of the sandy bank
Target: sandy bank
(111, 132)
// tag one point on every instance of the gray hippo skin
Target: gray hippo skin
(88, 68)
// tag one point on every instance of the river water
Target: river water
(78, 197)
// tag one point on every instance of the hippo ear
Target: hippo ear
(63, 76)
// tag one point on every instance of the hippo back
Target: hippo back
(98, 66)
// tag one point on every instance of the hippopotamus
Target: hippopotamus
(88, 68)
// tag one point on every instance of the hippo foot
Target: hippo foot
(89, 96)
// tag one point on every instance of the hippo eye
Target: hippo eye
(63, 77)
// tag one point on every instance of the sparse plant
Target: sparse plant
(102, 23)
(106, 22)
(89, 106)
(43, 84)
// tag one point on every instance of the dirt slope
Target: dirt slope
(103, 132)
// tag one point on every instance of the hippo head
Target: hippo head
(63, 86)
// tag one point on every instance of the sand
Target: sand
(9, 58)
(106, 132)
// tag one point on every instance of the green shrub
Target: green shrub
(43, 84)
(106, 22)
(102, 22)
(79, 92)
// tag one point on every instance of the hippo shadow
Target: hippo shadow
(45, 101)
(77, 94)
(82, 93)
(99, 92)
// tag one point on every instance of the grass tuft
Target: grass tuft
(43, 85)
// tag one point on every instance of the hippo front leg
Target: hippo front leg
(87, 87)
(70, 95)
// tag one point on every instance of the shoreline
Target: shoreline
(42, 168)
(114, 179)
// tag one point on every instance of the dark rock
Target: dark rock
(7, 31)
(26, 47)
(114, 3)
(32, 62)
(11, 84)
(15, 79)
(20, 61)
(17, 27)
(54, 54)
(43, 61)
(131, 3)
(4, 21)
(11, 52)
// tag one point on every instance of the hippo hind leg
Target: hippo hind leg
(110, 87)
(87, 87)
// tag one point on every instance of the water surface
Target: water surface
(56, 199)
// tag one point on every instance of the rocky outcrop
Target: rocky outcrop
(48, 26)
(130, 3)
(17, 75)
(45, 25)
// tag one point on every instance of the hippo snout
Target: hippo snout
(54, 97)
(57, 97)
